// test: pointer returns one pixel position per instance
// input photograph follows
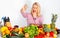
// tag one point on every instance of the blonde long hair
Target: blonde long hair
(38, 13)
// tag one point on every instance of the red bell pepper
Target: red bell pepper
(10, 28)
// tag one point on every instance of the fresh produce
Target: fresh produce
(40, 30)
(39, 36)
(47, 28)
(15, 34)
(8, 24)
(47, 34)
(10, 28)
(40, 26)
(53, 28)
(32, 30)
(4, 36)
(14, 37)
(16, 29)
(26, 35)
(55, 32)
(51, 34)
(55, 36)
(20, 30)
(21, 35)
(5, 30)
(8, 36)
(54, 18)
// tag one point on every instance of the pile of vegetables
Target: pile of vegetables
(31, 31)
(50, 29)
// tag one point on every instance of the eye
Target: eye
(34, 7)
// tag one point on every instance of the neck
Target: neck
(34, 15)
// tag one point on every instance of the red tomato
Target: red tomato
(39, 36)
(51, 34)
(35, 36)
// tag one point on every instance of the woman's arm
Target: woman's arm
(41, 20)
(23, 11)
(24, 8)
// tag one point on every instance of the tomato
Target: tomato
(39, 36)
(51, 34)
(36, 36)
(46, 33)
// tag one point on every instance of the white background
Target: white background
(12, 8)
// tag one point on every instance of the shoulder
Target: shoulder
(41, 16)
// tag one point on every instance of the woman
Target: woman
(34, 17)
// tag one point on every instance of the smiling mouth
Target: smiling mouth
(34, 11)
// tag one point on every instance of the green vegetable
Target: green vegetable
(53, 20)
(14, 33)
(4, 36)
(14, 37)
(21, 35)
(8, 36)
(32, 30)
(18, 36)
(46, 29)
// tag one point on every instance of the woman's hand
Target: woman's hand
(24, 8)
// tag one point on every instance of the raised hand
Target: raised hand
(24, 8)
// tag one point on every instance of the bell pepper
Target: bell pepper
(10, 28)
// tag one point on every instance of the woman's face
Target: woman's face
(34, 9)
